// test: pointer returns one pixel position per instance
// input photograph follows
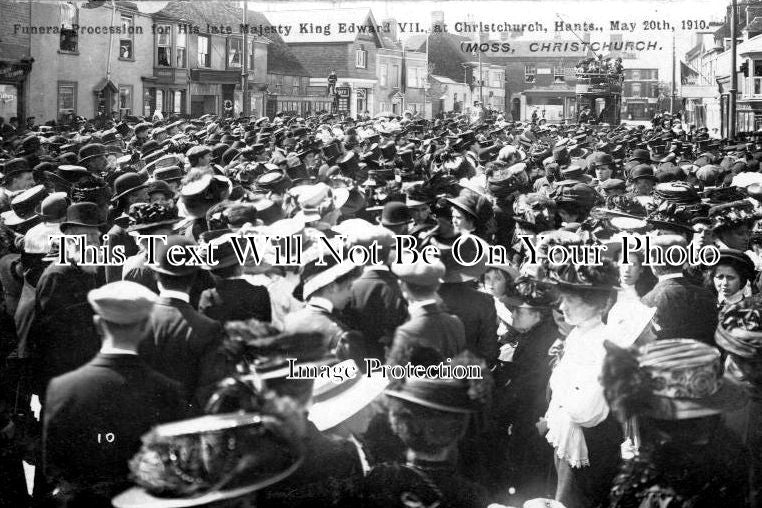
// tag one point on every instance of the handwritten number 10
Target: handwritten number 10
(109, 437)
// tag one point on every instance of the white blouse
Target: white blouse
(577, 399)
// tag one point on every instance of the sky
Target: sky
(599, 12)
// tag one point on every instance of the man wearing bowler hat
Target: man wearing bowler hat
(683, 309)
(129, 188)
(62, 336)
(93, 157)
(96, 414)
(184, 344)
(17, 176)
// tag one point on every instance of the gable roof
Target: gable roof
(319, 19)
(280, 59)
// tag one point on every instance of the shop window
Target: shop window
(179, 101)
(69, 18)
(127, 40)
(164, 46)
(159, 100)
(67, 101)
(125, 100)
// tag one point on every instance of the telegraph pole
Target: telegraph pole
(733, 75)
(481, 82)
(245, 68)
(674, 84)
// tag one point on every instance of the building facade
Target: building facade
(88, 73)
(542, 82)
(402, 82)
(640, 92)
(15, 60)
(196, 69)
(351, 55)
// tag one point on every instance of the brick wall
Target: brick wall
(13, 46)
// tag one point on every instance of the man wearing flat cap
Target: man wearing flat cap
(95, 415)
(376, 306)
(429, 325)
(142, 131)
(683, 309)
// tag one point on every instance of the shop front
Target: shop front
(210, 89)
(167, 92)
(13, 76)
(551, 105)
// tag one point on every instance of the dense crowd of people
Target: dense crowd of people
(619, 383)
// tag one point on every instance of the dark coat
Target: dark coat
(683, 310)
(376, 308)
(136, 270)
(12, 282)
(118, 236)
(477, 312)
(185, 346)
(331, 469)
(62, 336)
(695, 475)
(234, 300)
(94, 417)
(429, 326)
(339, 339)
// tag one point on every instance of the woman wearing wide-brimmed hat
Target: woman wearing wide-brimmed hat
(584, 436)
(739, 334)
(521, 378)
(670, 396)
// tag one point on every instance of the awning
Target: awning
(103, 84)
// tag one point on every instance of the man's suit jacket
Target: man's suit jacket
(136, 270)
(477, 312)
(94, 417)
(429, 326)
(62, 336)
(683, 310)
(117, 235)
(234, 300)
(185, 346)
(376, 308)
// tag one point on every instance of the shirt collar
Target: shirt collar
(110, 350)
(734, 298)
(421, 303)
(177, 295)
(670, 276)
(322, 303)
(376, 268)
